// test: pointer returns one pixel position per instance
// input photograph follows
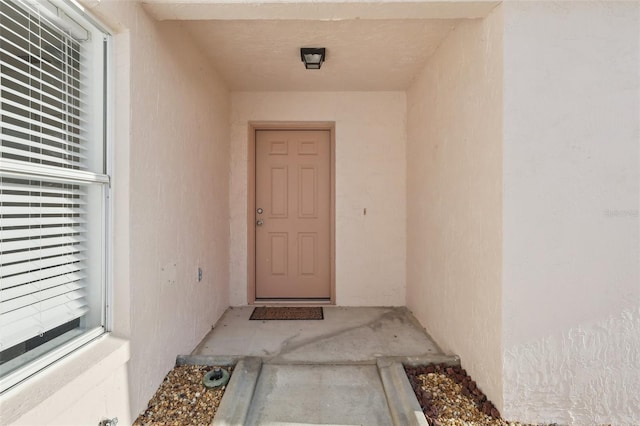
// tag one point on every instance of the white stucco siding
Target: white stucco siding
(179, 200)
(571, 299)
(370, 173)
(454, 196)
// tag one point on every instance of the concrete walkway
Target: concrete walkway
(343, 370)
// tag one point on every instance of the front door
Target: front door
(293, 202)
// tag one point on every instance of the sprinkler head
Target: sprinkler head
(217, 373)
(216, 378)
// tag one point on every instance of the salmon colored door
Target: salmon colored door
(293, 202)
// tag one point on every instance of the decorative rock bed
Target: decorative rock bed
(450, 397)
(182, 399)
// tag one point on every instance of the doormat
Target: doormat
(287, 313)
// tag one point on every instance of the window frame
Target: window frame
(23, 170)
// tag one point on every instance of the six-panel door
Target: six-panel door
(293, 205)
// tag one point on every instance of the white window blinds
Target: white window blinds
(52, 175)
(43, 257)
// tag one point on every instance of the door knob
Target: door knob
(259, 222)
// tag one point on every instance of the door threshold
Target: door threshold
(296, 302)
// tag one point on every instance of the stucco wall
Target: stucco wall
(179, 201)
(571, 225)
(109, 399)
(171, 209)
(454, 196)
(179, 160)
(370, 173)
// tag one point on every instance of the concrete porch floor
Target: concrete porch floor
(343, 370)
(345, 335)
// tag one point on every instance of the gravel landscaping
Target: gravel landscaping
(447, 394)
(449, 397)
(182, 399)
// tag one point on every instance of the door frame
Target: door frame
(254, 126)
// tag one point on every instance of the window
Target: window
(53, 184)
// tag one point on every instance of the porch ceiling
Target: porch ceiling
(371, 46)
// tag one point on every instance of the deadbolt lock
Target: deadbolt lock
(259, 211)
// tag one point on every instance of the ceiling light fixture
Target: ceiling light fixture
(312, 57)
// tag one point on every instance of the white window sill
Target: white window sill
(56, 387)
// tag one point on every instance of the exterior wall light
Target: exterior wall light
(312, 57)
